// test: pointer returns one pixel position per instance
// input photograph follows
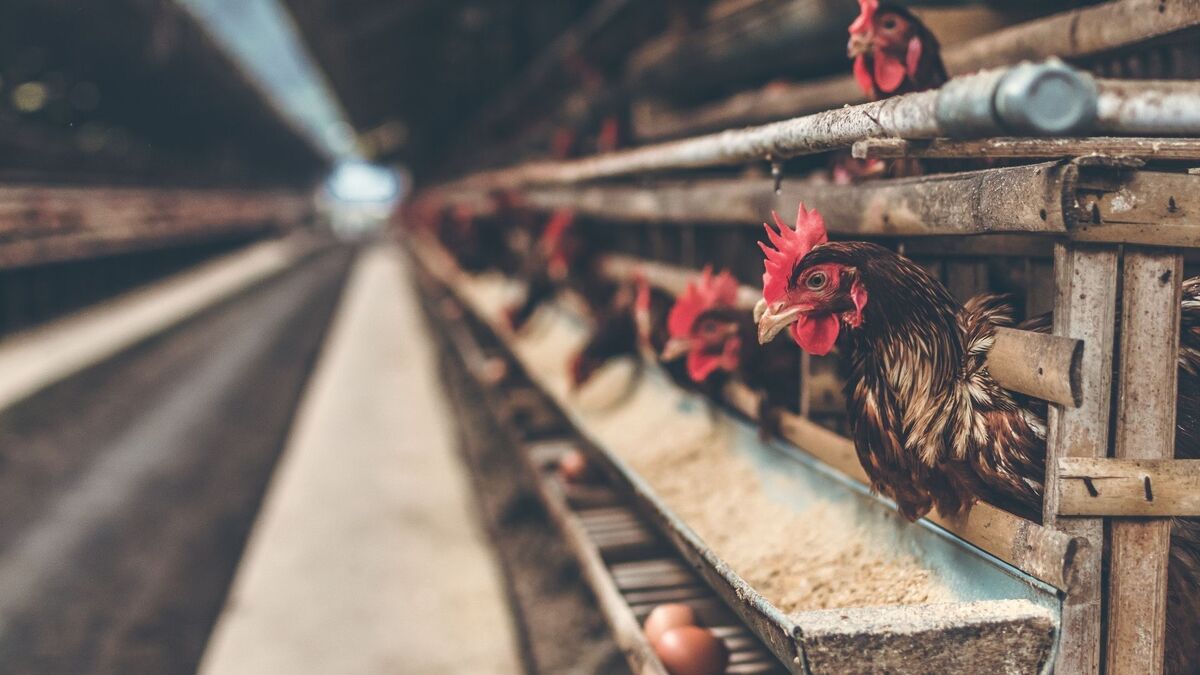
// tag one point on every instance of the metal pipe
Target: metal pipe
(1043, 99)
(1149, 107)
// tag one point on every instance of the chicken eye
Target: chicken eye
(888, 23)
(815, 281)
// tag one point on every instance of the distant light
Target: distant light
(362, 182)
(30, 97)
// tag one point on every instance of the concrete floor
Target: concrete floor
(367, 556)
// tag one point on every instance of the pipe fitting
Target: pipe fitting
(1030, 99)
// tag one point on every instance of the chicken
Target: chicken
(894, 53)
(719, 341)
(634, 326)
(931, 427)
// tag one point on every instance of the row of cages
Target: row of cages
(1068, 193)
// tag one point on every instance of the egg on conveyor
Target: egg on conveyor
(666, 617)
(691, 650)
(574, 467)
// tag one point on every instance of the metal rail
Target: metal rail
(1025, 99)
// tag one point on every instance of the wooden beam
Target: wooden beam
(1129, 487)
(1084, 309)
(44, 223)
(1045, 366)
(1086, 203)
(1025, 199)
(1154, 208)
(1044, 148)
(1137, 597)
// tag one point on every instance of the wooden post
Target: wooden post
(1085, 308)
(1145, 430)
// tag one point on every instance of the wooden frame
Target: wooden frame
(46, 223)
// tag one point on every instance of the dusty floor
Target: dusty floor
(130, 487)
(368, 556)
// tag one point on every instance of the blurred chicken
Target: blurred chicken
(894, 53)
(719, 341)
(931, 427)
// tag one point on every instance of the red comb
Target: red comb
(701, 295)
(790, 246)
(866, 15)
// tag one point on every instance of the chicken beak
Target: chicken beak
(675, 348)
(858, 45)
(773, 319)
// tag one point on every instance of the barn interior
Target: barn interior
(444, 336)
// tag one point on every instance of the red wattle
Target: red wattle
(701, 365)
(889, 73)
(816, 334)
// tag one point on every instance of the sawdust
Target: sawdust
(818, 558)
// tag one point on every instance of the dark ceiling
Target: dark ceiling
(413, 74)
(133, 90)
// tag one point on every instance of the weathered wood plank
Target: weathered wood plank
(1085, 309)
(48, 223)
(1141, 207)
(1045, 366)
(1025, 199)
(1137, 598)
(945, 148)
(1129, 487)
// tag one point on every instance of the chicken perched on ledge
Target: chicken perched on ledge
(893, 53)
(931, 427)
(718, 340)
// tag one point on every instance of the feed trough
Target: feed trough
(828, 576)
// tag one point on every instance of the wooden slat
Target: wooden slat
(1143, 207)
(46, 223)
(945, 148)
(1129, 487)
(1085, 309)
(1145, 430)
(1045, 366)
(1025, 199)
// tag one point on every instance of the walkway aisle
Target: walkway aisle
(367, 556)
